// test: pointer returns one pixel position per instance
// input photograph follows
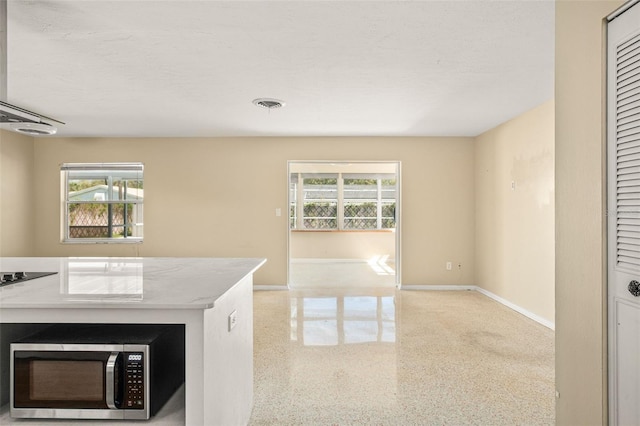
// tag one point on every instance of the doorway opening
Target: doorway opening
(344, 224)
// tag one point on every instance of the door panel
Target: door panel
(623, 148)
(628, 362)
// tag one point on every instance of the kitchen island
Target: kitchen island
(211, 297)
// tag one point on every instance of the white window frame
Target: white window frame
(298, 199)
(107, 171)
(379, 199)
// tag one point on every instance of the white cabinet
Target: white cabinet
(200, 293)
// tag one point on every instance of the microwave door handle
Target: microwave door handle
(110, 391)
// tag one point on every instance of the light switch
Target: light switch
(278, 212)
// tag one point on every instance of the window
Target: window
(340, 201)
(103, 202)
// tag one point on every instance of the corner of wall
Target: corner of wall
(515, 211)
(17, 201)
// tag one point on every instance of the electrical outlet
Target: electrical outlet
(233, 320)
(449, 266)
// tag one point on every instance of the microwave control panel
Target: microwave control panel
(134, 380)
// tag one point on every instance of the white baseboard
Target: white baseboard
(526, 313)
(439, 287)
(520, 310)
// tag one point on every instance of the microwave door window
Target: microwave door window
(64, 380)
(67, 381)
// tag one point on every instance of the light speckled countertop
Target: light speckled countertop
(135, 283)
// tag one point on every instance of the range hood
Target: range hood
(19, 119)
(24, 121)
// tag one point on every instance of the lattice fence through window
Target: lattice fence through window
(92, 220)
(320, 215)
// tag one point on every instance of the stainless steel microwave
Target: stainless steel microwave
(96, 371)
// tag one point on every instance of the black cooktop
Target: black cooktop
(7, 278)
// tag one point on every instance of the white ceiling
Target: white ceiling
(344, 68)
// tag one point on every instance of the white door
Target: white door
(623, 145)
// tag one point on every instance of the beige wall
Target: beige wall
(362, 245)
(217, 197)
(16, 194)
(515, 224)
(580, 213)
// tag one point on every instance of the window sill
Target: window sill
(111, 241)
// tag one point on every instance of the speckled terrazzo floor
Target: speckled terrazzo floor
(389, 357)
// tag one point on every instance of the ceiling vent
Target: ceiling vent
(28, 122)
(268, 103)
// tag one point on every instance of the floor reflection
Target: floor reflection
(427, 357)
(330, 321)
